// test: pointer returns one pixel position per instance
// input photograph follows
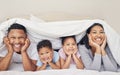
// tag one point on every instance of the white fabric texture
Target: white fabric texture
(54, 30)
(60, 72)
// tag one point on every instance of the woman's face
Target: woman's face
(97, 34)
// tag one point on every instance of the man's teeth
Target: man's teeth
(98, 39)
(18, 45)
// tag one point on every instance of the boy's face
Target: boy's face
(17, 39)
(70, 45)
(45, 54)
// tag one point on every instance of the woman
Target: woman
(94, 50)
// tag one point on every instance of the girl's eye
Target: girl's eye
(102, 32)
(47, 52)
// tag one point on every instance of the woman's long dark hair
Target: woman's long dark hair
(85, 40)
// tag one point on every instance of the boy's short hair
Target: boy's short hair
(44, 43)
(17, 26)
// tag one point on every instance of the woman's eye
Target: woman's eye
(94, 32)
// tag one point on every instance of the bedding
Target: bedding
(59, 72)
(52, 31)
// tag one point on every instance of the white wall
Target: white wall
(109, 10)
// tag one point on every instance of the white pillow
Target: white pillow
(36, 19)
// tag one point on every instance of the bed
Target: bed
(77, 29)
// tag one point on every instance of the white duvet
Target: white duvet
(53, 30)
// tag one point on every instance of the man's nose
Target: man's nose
(17, 40)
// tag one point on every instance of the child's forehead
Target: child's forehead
(45, 49)
(69, 39)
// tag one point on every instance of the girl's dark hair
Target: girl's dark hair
(17, 26)
(64, 38)
(85, 40)
(44, 43)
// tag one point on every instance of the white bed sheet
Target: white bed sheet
(60, 72)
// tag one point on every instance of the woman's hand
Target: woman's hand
(91, 43)
(104, 43)
(103, 46)
(94, 45)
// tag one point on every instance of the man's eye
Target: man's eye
(68, 44)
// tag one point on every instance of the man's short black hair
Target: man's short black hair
(44, 43)
(17, 26)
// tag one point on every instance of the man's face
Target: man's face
(17, 39)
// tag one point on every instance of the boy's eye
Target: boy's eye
(73, 44)
(41, 54)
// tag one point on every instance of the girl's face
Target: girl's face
(70, 44)
(97, 34)
(45, 53)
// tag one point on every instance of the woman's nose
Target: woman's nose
(98, 34)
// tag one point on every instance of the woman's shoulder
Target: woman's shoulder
(82, 48)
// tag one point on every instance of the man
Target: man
(18, 49)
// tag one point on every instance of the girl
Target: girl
(69, 53)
